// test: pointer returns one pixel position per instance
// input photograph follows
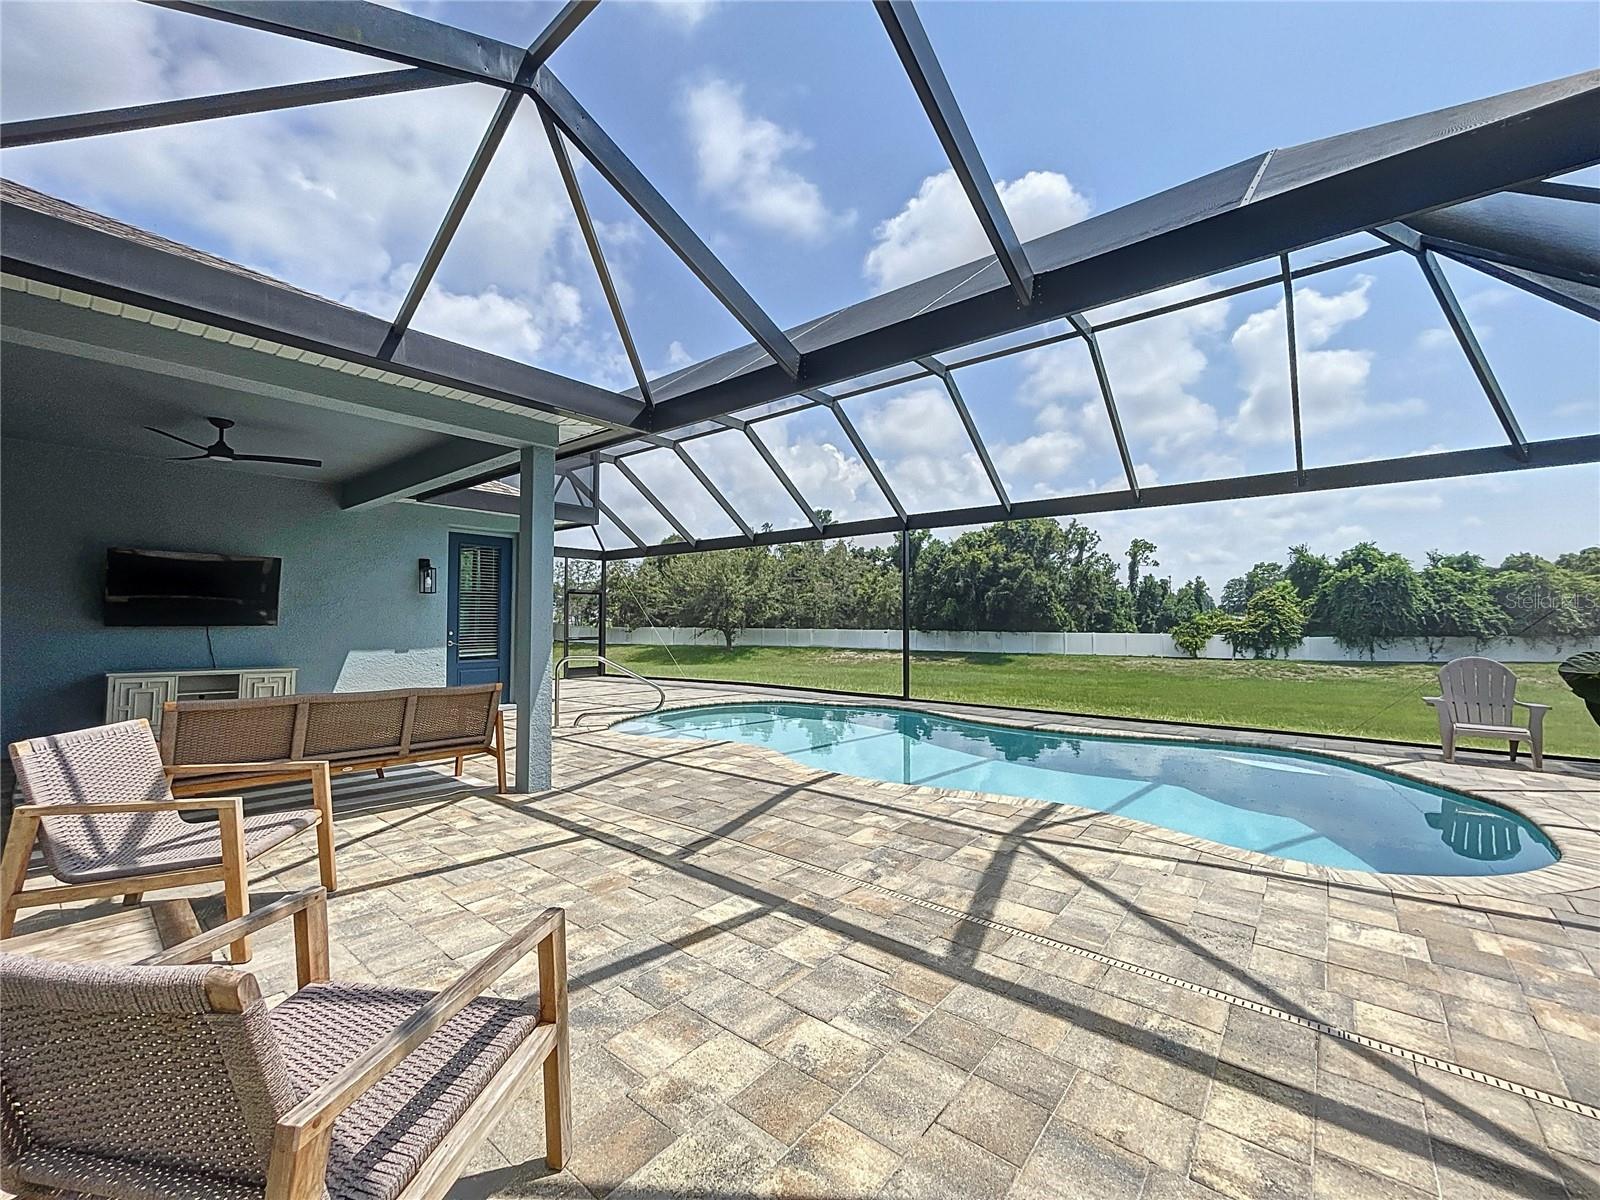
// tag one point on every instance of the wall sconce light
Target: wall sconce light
(427, 577)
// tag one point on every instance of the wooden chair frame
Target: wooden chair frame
(299, 1163)
(232, 871)
(402, 754)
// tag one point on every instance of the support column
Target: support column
(532, 643)
(905, 613)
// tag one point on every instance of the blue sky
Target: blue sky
(787, 135)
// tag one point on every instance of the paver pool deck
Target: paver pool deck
(787, 982)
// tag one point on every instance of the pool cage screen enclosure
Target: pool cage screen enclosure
(1486, 187)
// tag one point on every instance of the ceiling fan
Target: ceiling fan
(221, 449)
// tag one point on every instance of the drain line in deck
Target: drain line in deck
(1327, 1030)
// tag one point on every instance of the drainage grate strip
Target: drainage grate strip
(1333, 1031)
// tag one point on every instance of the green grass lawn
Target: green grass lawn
(1366, 700)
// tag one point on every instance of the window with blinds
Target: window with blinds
(478, 602)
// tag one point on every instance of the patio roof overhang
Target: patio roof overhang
(1474, 183)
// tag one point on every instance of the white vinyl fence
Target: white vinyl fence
(1136, 645)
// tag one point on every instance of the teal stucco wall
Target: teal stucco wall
(350, 615)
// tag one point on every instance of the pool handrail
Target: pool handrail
(602, 660)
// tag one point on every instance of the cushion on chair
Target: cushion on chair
(119, 845)
(384, 1137)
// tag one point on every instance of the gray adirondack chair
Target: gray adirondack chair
(1479, 700)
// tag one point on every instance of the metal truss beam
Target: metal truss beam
(1249, 212)
(1581, 298)
(556, 32)
(465, 191)
(1488, 460)
(594, 498)
(1462, 328)
(1096, 360)
(1533, 233)
(945, 377)
(53, 250)
(800, 501)
(591, 239)
(373, 29)
(860, 447)
(1561, 191)
(916, 53)
(1294, 367)
(666, 513)
(619, 171)
(227, 104)
(716, 494)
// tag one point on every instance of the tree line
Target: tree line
(1045, 576)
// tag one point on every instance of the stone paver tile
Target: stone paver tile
(1510, 1060)
(1261, 1110)
(1397, 994)
(1000, 1121)
(1385, 1133)
(833, 1159)
(672, 979)
(1134, 1122)
(1371, 1067)
(835, 1057)
(920, 982)
(784, 1101)
(953, 1039)
(1402, 1029)
(945, 1166)
(882, 1016)
(597, 1017)
(724, 1155)
(827, 990)
(741, 1007)
(812, 946)
(1069, 1163)
(1271, 1048)
(1334, 1179)
(1491, 1021)
(614, 1144)
(1163, 1185)
(1487, 1142)
(901, 1096)
(657, 1042)
(1244, 1170)
(714, 1071)
(1025, 1071)
(1565, 1021)
(1568, 1133)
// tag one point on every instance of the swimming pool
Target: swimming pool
(1298, 806)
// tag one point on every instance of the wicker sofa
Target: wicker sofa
(351, 731)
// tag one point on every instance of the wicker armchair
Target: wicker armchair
(163, 1080)
(99, 804)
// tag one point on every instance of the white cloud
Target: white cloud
(937, 229)
(685, 14)
(1154, 366)
(740, 161)
(923, 448)
(1038, 464)
(1333, 382)
(1435, 338)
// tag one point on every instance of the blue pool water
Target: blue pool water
(1299, 806)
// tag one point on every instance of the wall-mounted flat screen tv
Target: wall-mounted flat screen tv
(168, 587)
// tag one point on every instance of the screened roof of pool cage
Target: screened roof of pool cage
(797, 271)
